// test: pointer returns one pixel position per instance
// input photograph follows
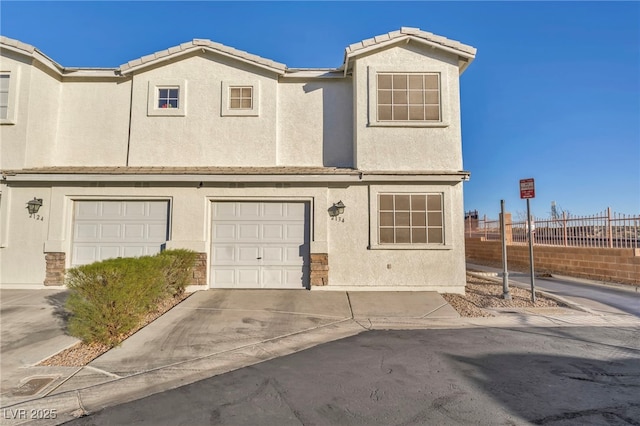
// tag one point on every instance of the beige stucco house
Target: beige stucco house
(241, 159)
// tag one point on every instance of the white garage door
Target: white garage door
(107, 229)
(260, 245)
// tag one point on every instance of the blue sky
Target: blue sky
(554, 92)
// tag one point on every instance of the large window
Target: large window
(410, 219)
(408, 97)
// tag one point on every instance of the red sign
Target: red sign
(527, 188)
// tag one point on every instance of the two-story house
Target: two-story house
(342, 178)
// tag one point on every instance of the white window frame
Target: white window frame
(447, 219)
(442, 72)
(225, 107)
(153, 108)
(12, 98)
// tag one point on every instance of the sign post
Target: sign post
(528, 191)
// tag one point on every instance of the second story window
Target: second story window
(410, 97)
(4, 95)
(168, 97)
(241, 97)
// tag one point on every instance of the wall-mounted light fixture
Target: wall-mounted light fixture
(336, 209)
(34, 205)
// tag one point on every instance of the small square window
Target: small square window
(240, 99)
(167, 98)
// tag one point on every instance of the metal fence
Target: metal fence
(605, 229)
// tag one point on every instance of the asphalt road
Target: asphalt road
(472, 376)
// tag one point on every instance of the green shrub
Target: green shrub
(176, 267)
(108, 299)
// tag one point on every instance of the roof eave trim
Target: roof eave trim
(37, 55)
(128, 69)
(348, 54)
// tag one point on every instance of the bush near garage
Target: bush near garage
(108, 299)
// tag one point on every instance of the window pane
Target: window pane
(173, 103)
(415, 97)
(403, 235)
(386, 219)
(399, 97)
(400, 113)
(402, 219)
(435, 219)
(4, 98)
(431, 97)
(386, 202)
(416, 113)
(434, 202)
(246, 92)
(418, 219)
(234, 103)
(431, 81)
(384, 112)
(402, 202)
(384, 97)
(419, 235)
(418, 202)
(433, 112)
(3, 112)
(384, 81)
(163, 93)
(400, 81)
(435, 236)
(386, 235)
(234, 92)
(4, 82)
(173, 93)
(415, 81)
(246, 103)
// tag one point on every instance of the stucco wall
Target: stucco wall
(202, 137)
(315, 121)
(30, 141)
(93, 123)
(28, 239)
(407, 148)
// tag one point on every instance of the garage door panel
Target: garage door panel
(156, 231)
(84, 232)
(248, 277)
(273, 231)
(248, 232)
(88, 209)
(273, 254)
(224, 232)
(134, 231)
(108, 229)
(271, 242)
(248, 254)
(295, 232)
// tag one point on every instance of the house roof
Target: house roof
(204, 45)
(465, 53)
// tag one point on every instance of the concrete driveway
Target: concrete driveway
(211, 332)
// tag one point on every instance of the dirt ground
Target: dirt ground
(480, 294)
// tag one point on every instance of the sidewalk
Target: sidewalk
(210, 333)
